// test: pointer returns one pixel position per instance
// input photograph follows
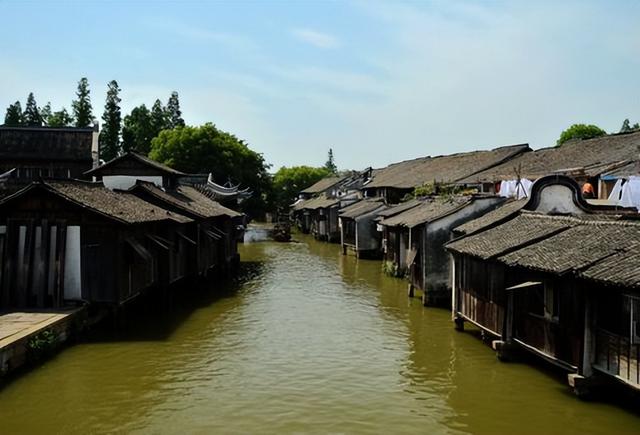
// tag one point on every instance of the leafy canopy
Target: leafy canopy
(206, 149)
(580, 131)
(288, 182)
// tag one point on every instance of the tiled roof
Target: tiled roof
(429, 210)
(121, 206)
(502, 212)
(322, 185)
(46, 143)
(397, 209)
(603, 248)
(590, 157)
(316, 203)
(522, 230)
(189, 199)
(362, 207)
(447, 169)
(138, 158)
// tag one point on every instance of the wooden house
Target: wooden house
(318, 216)
(582, 160)
(214, 234)
(358, 230)
(316, 210)
(560, 279)
(415, 240)
(123, 172)
(396, 180)
(77, 242)
(30, 153)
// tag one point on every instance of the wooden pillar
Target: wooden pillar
(588, 352)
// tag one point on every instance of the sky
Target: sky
(376, 81)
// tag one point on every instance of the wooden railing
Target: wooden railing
(617, 356)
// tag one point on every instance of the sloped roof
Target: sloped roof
(189, 199)
(316, 203)
(397, 209)
(603, 248)
(322, 185)
(502, 212)
(121, 206)
(46, 143)
(139, 158)
(362, 207)
(520, 231)
(447, 168)
(429, 210)
(590, 157)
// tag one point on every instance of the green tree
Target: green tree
(137, 131)
(174, 115)
(109, 139)
(45, 113)
(60, 118)
(206, 149)
(82, 106)
(13, 117)
(580, 131)
(31, 115)
(288, 182)
(330, 165)
(159, 119)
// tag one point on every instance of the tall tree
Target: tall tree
(45, 113)
(159, 119)
(109, 139)
(330, 165)
(82, 106)
(60, 118)
(174, 114)
(137, 131)
(13, 117)
(580, 131)
(31, 115)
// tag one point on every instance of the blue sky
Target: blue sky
(376, 81)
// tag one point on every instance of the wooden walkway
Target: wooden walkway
(17, 329)
(18, 325)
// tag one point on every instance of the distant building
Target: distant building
(30, 153)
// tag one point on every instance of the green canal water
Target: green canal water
(307, 341)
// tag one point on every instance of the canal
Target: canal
(305, 341)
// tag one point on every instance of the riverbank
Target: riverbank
(306, 340)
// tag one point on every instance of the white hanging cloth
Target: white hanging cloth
(630, 196)
(516, 188)
(614, 196)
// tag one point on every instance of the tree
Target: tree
(330, 164)
(137, 131)
(60, 118)
(627, 127)
(13, 117)
(206, 149)
(288, 182)
(174, 115)
(82, 106)
(580, 131)
(31, 115)
(109, 139)
(159, 120)
(45, 113)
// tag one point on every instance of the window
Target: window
(634, 319)
(551, 301)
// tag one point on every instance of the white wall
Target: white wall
(557, 198)
(72, 278)
(127, 181)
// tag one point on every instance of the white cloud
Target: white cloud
(315, 38)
